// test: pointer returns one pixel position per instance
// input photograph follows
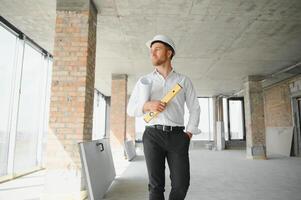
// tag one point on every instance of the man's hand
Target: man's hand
(154, 106)
(189, 135)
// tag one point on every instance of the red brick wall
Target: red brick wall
(71, 107)
(277, 106)
(254, 117)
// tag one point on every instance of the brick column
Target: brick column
(254, 115)
(72, 93)
(118, 110)
(130, 127)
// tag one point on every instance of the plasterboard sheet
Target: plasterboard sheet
(279, 140)
(98, 166)
(130, 149)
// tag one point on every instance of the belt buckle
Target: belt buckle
(167, 129)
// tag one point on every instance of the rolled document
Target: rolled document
(144, 90)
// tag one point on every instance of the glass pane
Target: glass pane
(204, 124)
(30, 120)
(7, 56)
(99, 116)
(108, 110)
(210, 103)
(44, 112)
(236, 119)
(206, 120)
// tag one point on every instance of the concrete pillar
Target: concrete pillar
(72, 93)
(254, 115)
(130, 127)
(214, 116)
(118, 110)
(220, 133)
(220, 111)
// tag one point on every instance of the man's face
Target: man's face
(159, 53)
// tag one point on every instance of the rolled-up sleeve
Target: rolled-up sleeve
(193, 106)
(140, 95)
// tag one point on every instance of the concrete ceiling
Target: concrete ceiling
(218, 42)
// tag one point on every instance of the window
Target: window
(206, 119)
(8, 48)
(99, 116)
(236, 119)
(30, 114)
(25, 77)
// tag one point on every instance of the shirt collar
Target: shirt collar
(156, 72)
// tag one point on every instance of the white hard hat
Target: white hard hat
(164, 39)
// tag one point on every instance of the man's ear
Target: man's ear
(169, 53)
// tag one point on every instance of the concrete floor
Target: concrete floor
(28, 187)
(220, 175)
(214, 175)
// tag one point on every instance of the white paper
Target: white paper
(145, 90)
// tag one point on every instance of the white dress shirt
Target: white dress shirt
(153, 86)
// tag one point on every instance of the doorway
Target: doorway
(236, 116)
(236, 123)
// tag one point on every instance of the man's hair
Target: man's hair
(167, 45)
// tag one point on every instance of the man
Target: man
(164, 136)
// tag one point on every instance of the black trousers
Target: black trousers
(173, 146)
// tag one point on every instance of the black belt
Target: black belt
(167, 128)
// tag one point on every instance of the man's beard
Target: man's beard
(157, 62)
